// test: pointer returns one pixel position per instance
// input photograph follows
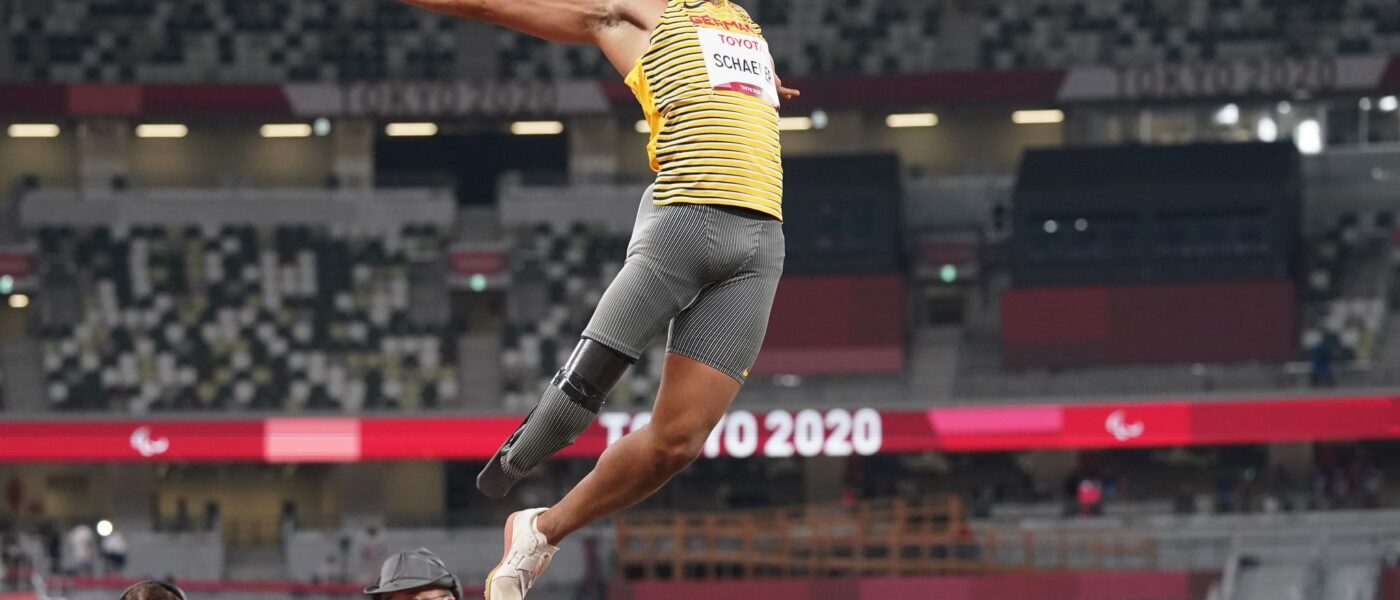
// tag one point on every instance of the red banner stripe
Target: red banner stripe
(835, 432)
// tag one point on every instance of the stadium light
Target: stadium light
(285, 130)
(165, 131)
(1267, 130)
(794, 123)
(642, 127)
(1308, 136)
(1388, 104)
(1364, 104)
(1228, 115)
(7, 284)
(104, 528)
(34, 130)
(537, 128)
(900, 121)
(1038, 117)
(411, 129)
(19, 301)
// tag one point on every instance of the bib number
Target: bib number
(739, 63)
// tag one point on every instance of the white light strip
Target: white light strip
(899, 121)
(794, 123)
(169, 130)
(285, 130)
(34, 130)
(537, 128)
(1038, 117)
(411, 129)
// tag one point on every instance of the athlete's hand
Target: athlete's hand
(786, 93)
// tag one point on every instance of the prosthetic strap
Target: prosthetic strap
(570, 404)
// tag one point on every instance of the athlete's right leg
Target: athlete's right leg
(665, 263)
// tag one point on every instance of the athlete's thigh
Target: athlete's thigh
(665, 270)
(725, 326)
(693, 398)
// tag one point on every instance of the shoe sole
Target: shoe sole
(510, 529)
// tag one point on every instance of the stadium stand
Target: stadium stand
(232, 41)
(1348, 278)
(1056, 34)
(161, 41)
(156, 41)
(240, 317)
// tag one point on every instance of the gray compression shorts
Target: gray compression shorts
(709, 271)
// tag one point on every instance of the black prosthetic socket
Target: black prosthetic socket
(591, 373)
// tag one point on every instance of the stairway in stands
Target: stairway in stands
(23, 384)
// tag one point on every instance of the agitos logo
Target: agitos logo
(1118, 426)
(718, 24)
(145, 445)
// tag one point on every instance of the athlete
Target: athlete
(705, 256)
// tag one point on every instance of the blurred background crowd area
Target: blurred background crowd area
(1093, 291)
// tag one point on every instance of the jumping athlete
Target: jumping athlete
(705, 256)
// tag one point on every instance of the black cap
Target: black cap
(414, 569)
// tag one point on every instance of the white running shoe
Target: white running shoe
(526, 556)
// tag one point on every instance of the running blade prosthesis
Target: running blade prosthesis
(494, 481)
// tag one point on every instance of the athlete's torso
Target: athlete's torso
(707, 87)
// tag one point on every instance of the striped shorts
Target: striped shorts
(708, 271)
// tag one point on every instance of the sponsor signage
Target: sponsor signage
(489, 262)
(16, 264)
(778, 433)
(448, 99)
(1260, 76)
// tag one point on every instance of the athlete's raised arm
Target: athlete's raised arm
(569, 21)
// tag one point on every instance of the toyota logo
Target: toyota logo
(145, 445)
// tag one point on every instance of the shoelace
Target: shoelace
(530, 564)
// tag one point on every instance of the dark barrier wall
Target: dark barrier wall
(836, 324)
(841, 214)
(1154, 323)
(1156, 214)
(1078, 585)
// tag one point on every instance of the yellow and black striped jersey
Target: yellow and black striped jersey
(710, 96)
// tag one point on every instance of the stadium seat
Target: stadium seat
(240, 318)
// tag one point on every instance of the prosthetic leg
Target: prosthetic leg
(569, 406)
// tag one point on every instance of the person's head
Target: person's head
(153, 590)
(415, 575)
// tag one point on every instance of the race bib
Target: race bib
(739, 63)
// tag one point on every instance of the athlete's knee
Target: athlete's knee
(678, 446)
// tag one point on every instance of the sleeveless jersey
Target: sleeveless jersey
(710, 96)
